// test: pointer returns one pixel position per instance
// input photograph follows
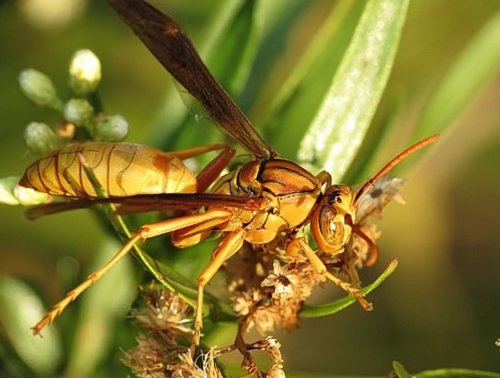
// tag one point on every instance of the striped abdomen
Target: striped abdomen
(122, 169)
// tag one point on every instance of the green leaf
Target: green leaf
(443, 373)
(299, 97)
(400, 370)
(457, 373)
(239, 46)
(334, 307)
(335, 135)
(21, 308)
(475, 67)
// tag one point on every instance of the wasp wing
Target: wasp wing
(151, 202)
(169, 44)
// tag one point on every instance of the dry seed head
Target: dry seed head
(273, 348)
(244, 301)
(165, 314)
(264, 318)
(284, 283)
(275, 371)
(186, 368)
(384, 191)
(209, 367)
(148, 358)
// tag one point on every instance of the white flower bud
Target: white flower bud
(84, 72)
(39, 89)
(29, 196)
(78, 112)
(7, 185)
(40, 138)
(111, 128)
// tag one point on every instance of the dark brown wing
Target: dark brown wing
(154, 202)
(168, 43)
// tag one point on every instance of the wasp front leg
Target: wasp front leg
(300, 243)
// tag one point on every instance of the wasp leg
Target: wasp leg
(212, 217)
(228, 246)
(301, 244)
(324, 178)
(371, 244)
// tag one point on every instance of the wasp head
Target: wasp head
(328, 223)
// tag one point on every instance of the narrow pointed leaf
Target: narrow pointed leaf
(21, 308)
(331, 308)
(336, 134)
(400, 370)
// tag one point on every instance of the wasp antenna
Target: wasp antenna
(403, 155)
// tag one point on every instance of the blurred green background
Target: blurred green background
(442, 306)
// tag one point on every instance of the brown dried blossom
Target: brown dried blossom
(284, 282)
(274, 349)
(166, 319)
(277, 297)
(164, 314)
(275, 371)
(384, 191)
(153, 359)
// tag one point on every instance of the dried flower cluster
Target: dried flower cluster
(275, 293)
(162, 349)
(159, 353)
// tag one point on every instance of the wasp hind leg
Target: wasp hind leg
(227, 247)
(208, 219)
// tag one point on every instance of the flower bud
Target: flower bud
(84, 72)
(111, 128)
(78, 112)
(39, 89)
(7, 185)
(65, 130)
(29, 196)
(40, 138)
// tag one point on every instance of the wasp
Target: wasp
(257, 202)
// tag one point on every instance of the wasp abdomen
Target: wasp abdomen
(122, 169)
